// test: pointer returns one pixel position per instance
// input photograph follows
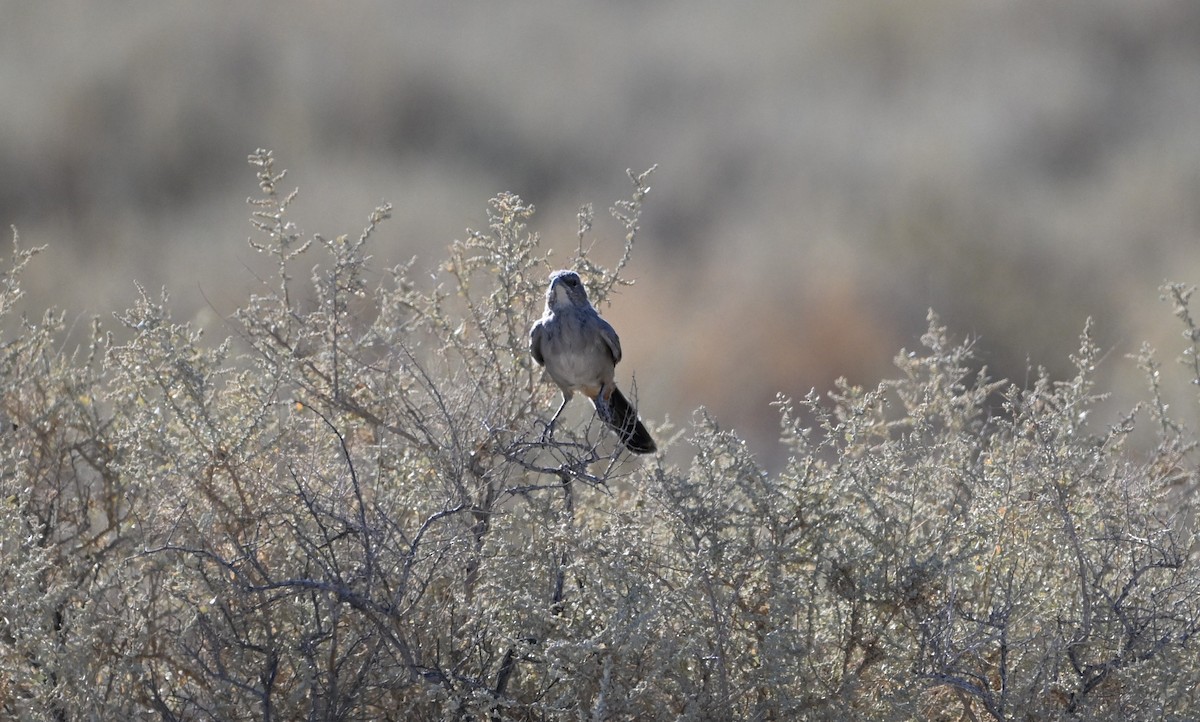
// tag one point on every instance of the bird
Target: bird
(580, 351)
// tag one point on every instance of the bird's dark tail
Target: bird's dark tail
(623, 419)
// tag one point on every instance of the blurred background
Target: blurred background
(828, 170)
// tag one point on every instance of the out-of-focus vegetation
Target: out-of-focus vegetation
(828, 170)
(346, 510)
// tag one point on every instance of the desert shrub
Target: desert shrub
(350, 509)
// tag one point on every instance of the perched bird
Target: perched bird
(580, 352)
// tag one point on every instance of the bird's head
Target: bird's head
(566, 290)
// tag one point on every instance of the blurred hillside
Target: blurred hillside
(827, 170)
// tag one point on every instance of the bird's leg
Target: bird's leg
(549, 432)
(603, 408)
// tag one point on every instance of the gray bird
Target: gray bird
(580, 352)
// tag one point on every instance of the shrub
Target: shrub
(348, 511)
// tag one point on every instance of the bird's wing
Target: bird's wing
(535, 343)
(611, 340)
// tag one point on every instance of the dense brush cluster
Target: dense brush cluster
(347, 511)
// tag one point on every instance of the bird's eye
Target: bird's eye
(572, 281)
